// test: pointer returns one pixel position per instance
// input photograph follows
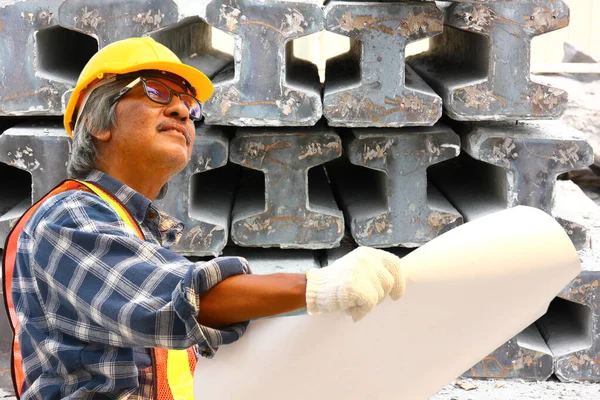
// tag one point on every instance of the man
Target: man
(96, 295)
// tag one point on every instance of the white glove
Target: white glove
(355, 283)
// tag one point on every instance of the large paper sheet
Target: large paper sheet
(468, 291)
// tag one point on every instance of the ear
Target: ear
(103, 136)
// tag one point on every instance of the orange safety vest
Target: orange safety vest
(173, 369)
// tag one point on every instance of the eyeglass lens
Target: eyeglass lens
(161, 93)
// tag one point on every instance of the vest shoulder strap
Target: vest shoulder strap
(115, 205)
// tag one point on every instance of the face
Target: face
(157, 136)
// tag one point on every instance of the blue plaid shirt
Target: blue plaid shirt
(92, 298)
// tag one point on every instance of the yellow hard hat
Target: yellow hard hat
(131, 55)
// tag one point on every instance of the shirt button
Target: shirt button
(151, 214)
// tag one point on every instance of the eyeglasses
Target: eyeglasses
(160, 93)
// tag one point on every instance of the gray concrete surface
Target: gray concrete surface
(284, 205)
(267, 85)
(480, 64)
(371, 85)
(383, 188)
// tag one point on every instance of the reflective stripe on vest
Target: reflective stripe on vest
(173, 368)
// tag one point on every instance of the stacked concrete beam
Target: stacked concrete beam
(291, 212)
(526, 158)
(526, 356)
(42, 151)
(395, 207)
(29, 82)
(371, 85)
(267, 86)
(481, 64)
(573, 333)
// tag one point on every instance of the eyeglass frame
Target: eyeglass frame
(172, 92)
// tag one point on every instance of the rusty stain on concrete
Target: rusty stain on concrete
(479, 19)
(545, 98)
(148, 21)
(412, 105)
(439, 220)
(253, 149)
(196, 235)
(492, 367)
(347, 103)
(46, 89)
(318, 149)
(578, 361)
(578, 292)
(256, 225)
(377, 224)
(87, 19)
(544, 20)
(293, 23)
(503, 150)
(376, 150)
(567, 154)
(230, 15)
(348, 23)
(228, 99)
(322, 222)
(288, 104)
(426, 21)
(476, 96)
(259, 149)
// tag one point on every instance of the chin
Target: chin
(176, 160)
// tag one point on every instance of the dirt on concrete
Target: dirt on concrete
(583, 111)
(517, 390)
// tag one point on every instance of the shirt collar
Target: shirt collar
(136, 203)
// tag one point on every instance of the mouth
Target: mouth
(170, 126)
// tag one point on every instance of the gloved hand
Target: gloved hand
(355, 283)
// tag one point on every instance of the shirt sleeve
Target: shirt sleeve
(97, 281)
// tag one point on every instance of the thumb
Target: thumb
(394, 266)
(358, 312)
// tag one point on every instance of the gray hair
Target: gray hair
(97, 115)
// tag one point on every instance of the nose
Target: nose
(177, 109)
